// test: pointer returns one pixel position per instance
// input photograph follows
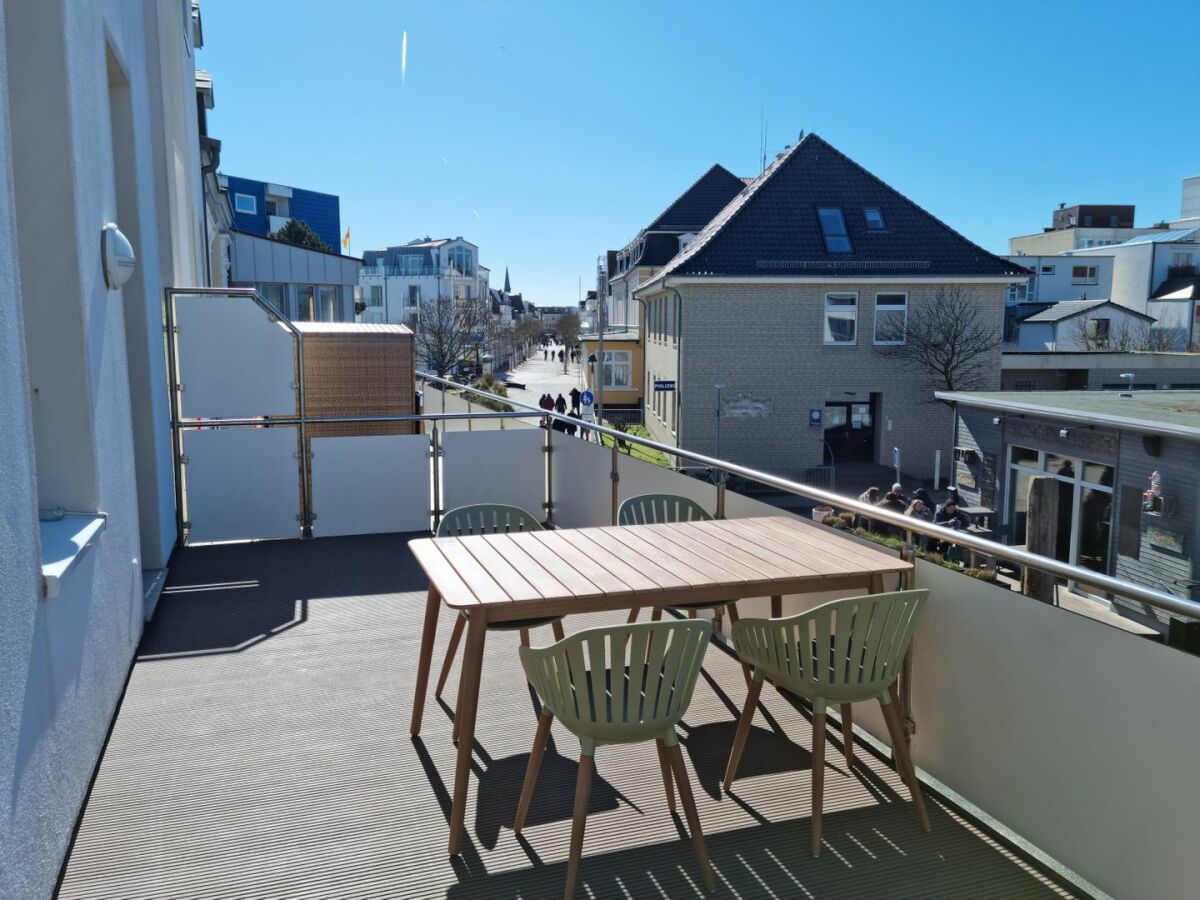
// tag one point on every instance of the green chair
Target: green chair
(488, 518)
(621, 684)
(841, 652)
(652, 509)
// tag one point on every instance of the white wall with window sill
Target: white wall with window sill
(64, 543)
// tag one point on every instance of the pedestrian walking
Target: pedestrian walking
(575, 395)
(545, 355)
(560, 405)
(562, 356)
(546, 403)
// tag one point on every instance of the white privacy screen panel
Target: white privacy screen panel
(241, 483)
(495, 467)
(234, 361)
(373, 484)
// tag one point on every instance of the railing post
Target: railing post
(306, 516)
(615, 475)
(172, 334)
(435, 452)
(721, 499)
(548, 450)
(469, 411)
(907, 582)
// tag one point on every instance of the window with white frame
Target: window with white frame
(1017, 293)
(1084, 275)
(375, 296)
(245, 203)
(1047, 270)
(275, 294)
(618, 369)
(841, 319)
(1181, 260)
(891, 318)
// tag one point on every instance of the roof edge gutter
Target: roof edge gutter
(1029, 409)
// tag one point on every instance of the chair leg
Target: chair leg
(664, 763)
(460, 624)
(743, 732)
(693, 818)
(848, 734)
(733, 619)
(900, 747)
(556, 627)
(583, 791)
(531, 771)
(818, 779)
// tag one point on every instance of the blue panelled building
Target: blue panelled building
(262, 208)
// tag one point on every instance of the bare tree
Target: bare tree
(528, 332)
(1099, 333)
(448, 330)
(568, 332)
(947, 339)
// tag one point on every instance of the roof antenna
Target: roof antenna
(762, 141)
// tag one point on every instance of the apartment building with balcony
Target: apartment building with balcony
(796, 298)
(263, 207)
(396, 280)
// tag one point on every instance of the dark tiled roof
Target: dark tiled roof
(658, 249)
(696, 206)
(770, 228)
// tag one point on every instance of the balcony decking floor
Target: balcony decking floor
(262, 750)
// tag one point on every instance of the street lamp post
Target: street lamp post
(720, 386)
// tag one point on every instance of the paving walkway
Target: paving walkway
(542, 376)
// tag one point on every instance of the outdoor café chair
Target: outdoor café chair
(488, 518)
(844, 651)
(621, 684)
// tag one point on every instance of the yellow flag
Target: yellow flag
(346, 239)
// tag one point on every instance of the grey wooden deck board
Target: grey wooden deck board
(284, 768)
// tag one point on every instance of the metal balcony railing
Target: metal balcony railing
(1101, 583)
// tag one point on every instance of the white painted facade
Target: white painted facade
(1058, 278)
(98, 124)
(1066, 335)
(394, 294)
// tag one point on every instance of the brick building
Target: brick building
(796, 297)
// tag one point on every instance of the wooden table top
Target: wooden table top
(583, 569)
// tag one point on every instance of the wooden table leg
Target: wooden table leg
(468, 704)
(875, 585)
(776, 607)
(432, 606)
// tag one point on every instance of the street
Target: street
(544, 377)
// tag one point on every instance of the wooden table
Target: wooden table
(503, 577)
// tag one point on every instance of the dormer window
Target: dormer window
(874, 218)
(833, 227)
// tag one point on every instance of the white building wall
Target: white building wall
(70, 163)
(1132, 265)
(1060, 284)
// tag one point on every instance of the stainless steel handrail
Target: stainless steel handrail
(1104, 583)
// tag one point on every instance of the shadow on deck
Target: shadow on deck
(262, 750)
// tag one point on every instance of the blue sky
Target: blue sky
(548, 132)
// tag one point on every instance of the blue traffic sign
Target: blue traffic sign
(664, 385)
(587, 398)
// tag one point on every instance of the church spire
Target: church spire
(507, 285)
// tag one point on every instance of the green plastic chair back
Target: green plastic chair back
(623, 683)
(486, 518)
(649, 509)
(842, 651)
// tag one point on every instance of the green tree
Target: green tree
(301, 234)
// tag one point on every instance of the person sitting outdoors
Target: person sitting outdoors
(891, 501)
(898, 490)
(919, 509)
(871, 496)
(949, 516)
